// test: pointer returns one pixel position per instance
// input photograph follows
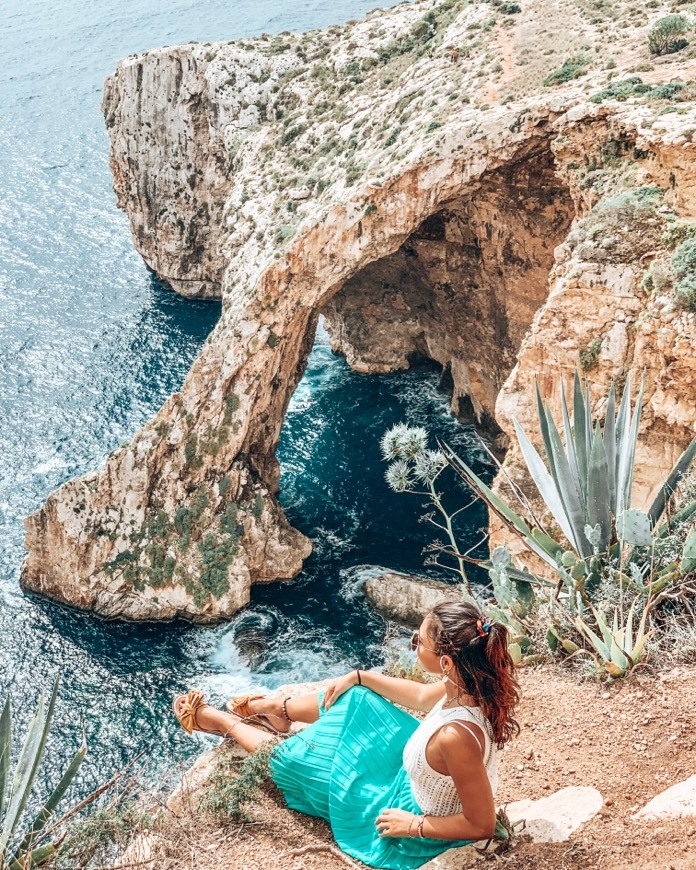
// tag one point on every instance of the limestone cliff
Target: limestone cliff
(410, 177)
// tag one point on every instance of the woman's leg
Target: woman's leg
(250, 738)
(303, 708)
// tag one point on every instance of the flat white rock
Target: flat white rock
(554, 818)
(673, 803)
(454, 859)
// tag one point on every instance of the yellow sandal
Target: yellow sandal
(185, 708)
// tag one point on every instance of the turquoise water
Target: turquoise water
(91, 345)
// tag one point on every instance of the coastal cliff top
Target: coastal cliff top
(620, 740)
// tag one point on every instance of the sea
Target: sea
(91, 345)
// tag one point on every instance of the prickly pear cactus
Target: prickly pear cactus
(633, 527)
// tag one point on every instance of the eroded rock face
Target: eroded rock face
(293, 182)
(463, 289)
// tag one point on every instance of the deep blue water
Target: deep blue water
(91, 345)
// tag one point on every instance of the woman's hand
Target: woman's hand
(396, 823)
(338, 687)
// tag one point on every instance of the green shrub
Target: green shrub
(684, 259)
(290, 135)
(667, 35)
(684, 268)
(283, 233)
(589, 356)
(571, 69)
(630, 87)
(685, 293)
(235, 783)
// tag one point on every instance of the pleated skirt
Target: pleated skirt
(346, 768)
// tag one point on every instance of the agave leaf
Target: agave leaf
(627, 454)
(680, 517)
(22, 782)
(547, 543)
(602, 648)
(607, 634)
(570, 443)
(598, 490)
(35, 859)
(543, 481)
(609, 439)
(682, 465)
(571, 497)
(495, 503)
(582, 451)
(28, 765)
(628, 632)
(5, 750)
(541, 414)
(614, 670)
(56, 797)
(688, 562)
(623, 423)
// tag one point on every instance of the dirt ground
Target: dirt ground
(630, 740)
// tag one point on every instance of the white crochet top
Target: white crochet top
(435, 793)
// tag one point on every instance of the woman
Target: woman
(396, 790)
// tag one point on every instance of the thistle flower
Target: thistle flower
(428, 465)
(398, 475)
(391, 443)
(414, 442)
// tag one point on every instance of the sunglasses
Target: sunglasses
(416, 642)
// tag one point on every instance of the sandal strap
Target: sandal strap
(240, 705)
(187, 708)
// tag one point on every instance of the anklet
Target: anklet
(285, 709)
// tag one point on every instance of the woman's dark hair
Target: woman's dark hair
(483, 662)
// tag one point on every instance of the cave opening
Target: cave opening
(462, 289)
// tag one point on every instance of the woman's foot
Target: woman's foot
(195, 715)
(267, 712)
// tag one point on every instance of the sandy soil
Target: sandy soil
(630, 740)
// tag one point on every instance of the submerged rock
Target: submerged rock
(406, 599)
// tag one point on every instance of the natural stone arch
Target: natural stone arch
(463, 288)
(191, 500)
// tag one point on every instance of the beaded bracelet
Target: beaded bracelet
(420, 827)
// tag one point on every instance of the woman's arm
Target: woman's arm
(408, 693)
(455, 751)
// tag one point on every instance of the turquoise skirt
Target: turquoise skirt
(346, 768)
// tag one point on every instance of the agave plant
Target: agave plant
(618, 648)
(585, 485)
(24, 849)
